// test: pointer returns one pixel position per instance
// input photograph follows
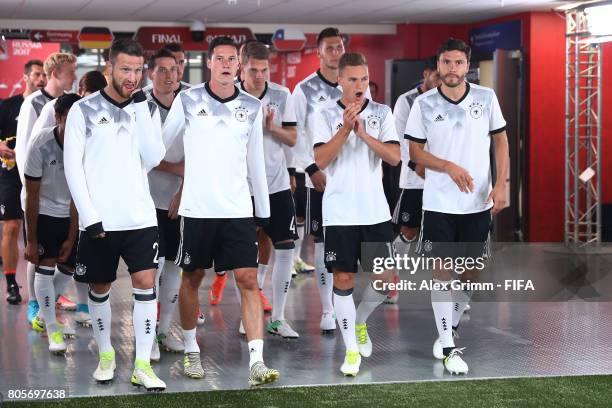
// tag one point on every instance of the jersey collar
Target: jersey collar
(260, 97)
(226, 100)
(158, 102)
(48, 96)
(114, 102)
(365, 105)
(322, 78)
(467, 91)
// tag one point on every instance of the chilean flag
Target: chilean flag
(288, 39)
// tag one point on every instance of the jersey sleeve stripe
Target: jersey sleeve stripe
(415, 139)
(318, 144)
(288, 124)
(496, 131)
(32, 178)
(395, 142)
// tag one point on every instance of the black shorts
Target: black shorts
(314, 214)
(10, 195)
(453, 235)
(282, 217)
(51, 235)
(229, 243)
(300, 195)
(169, 235)
(344, 245)
(409, 208)
(98, 258)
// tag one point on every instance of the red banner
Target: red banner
(153, 38)
(16, 54)
(54, 36)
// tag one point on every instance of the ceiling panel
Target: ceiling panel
(272, 11)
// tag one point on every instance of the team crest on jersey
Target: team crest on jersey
(476, 110)
(315, 225)
(41, 250)
(405, 216)
(2, 209)
(80, 269)
(330, 256)
(187, 258)
(374, 121)
(241, 114)
(427, 246)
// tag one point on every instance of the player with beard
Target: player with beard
(457, 121)
(112, 140)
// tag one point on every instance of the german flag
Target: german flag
(95, 37)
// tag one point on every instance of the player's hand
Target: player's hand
(174, 206)
(100, 235)
(461, 177)
(318, 181)
(5, 151)
(350, 115)
(269, 119)
(292, 183)
(31, 252)
(65, 250)
(498, 196)
(420, 171)
(359, 128)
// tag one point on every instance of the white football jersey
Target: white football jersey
(409, 179)
(222, 145)
(354, 193)
(28, 114)
(310, 96)
(164, 185)
(45, 163)
(109, 147)
(460, 132)
(277, 98)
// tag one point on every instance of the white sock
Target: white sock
(369, 301)
(461, 299)
(45, 295)
(325, 280)
(158, 273)
(61, 279)
(442, 304)
(281, 280)
(262, 270)
(168, 295)
(81, 289)
(297, 255)
(101, 315)
(255, 351)
(143, 318)
(344, 307)
(30, 273)
(191, 344)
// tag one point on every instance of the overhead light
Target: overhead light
(598, 20)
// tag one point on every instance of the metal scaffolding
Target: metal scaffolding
(582, 134)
